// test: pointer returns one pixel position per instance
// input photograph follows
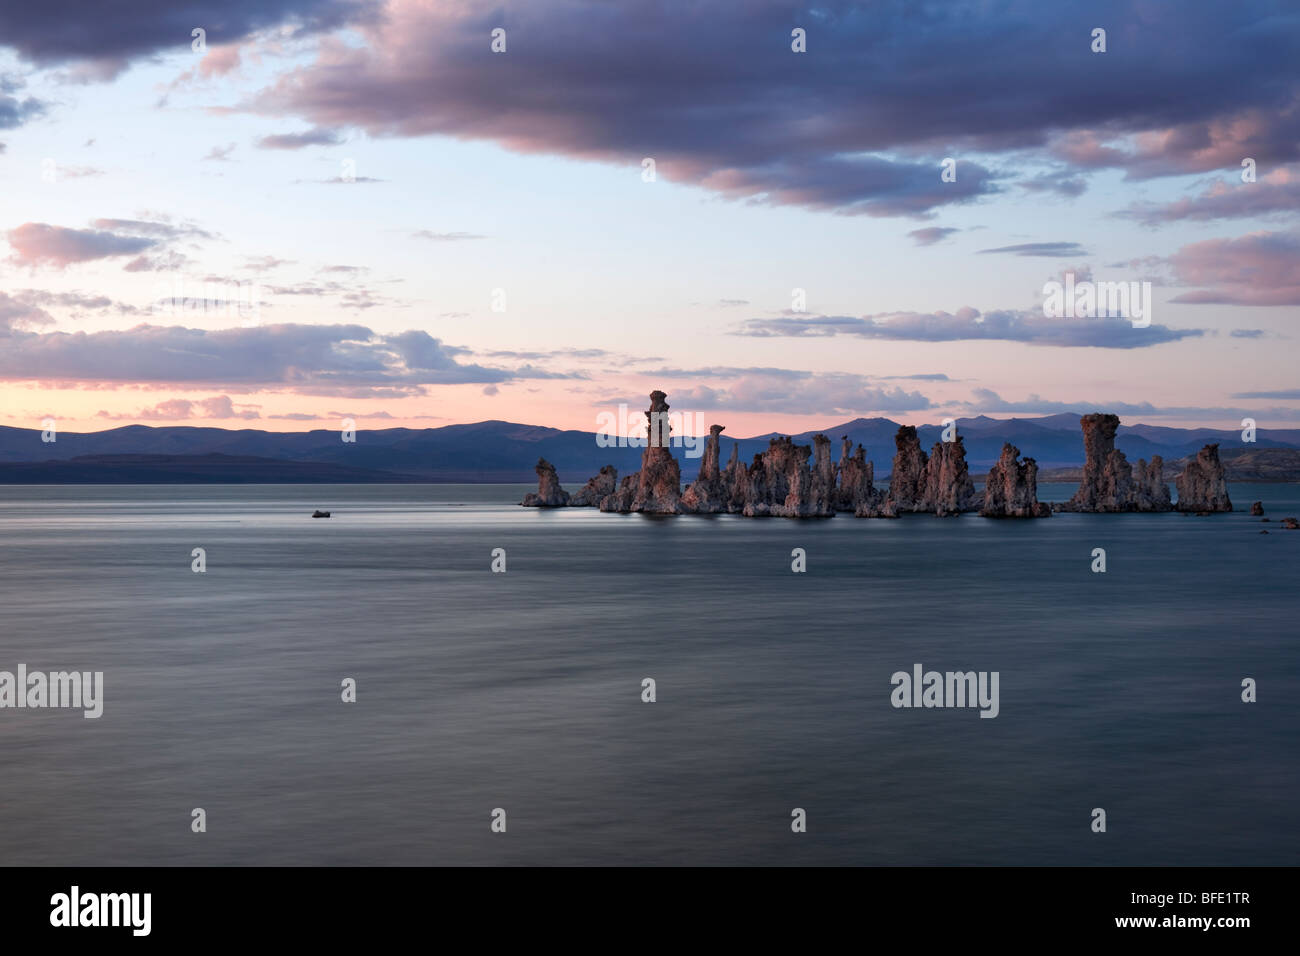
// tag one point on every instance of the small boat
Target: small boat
(320, 514)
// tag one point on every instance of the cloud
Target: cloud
(350, 295)
(1275, 194)
(984, 401)
(312, 137)
(762, 388)
(715, 95)
(219, 61)
(41, 33)
(17, 312)
(569, 353)
(864, 185)
(1289, 394)
(1246, 333)
(968, 324)
(77, 172)
(160, 228)
(445, 236)
(220, 154)
(313, 359)
(13, 111)
(39, 243)
(341, 180)
(1068, 186)
(794, 392)
(166, 261)
(931, 234)
(1054, 250)
(360, 416)
(265, 263)
(26, 308)
(1261, 268)
(178, 409)
(1211, 137)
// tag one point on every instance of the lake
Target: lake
(523, 690)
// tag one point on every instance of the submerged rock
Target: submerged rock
(1257, 509)
(549, 493)
(1201, 486)
(1011, 489)
(597, 488)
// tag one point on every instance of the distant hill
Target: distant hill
(185, 469)
(1240, 464)
(498, 451)
(1256, 464)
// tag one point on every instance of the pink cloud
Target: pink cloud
(1198, 146)
(39, 243)
(219, 61)
(1261, 268)
(179, 409)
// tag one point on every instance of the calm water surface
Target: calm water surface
(522, 690)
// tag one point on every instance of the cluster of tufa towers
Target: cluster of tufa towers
(783, 482)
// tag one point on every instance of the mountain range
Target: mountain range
(497, 451)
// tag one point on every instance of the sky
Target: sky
(282, 213)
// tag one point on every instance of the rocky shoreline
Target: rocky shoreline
(801, 481)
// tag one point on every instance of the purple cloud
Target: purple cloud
(985, 400)
(931, 234)
(1053, 250)
(967, 324)
(1274, 195)
(79, 31)
(312, 137)
(718, 99)
(320, 359)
